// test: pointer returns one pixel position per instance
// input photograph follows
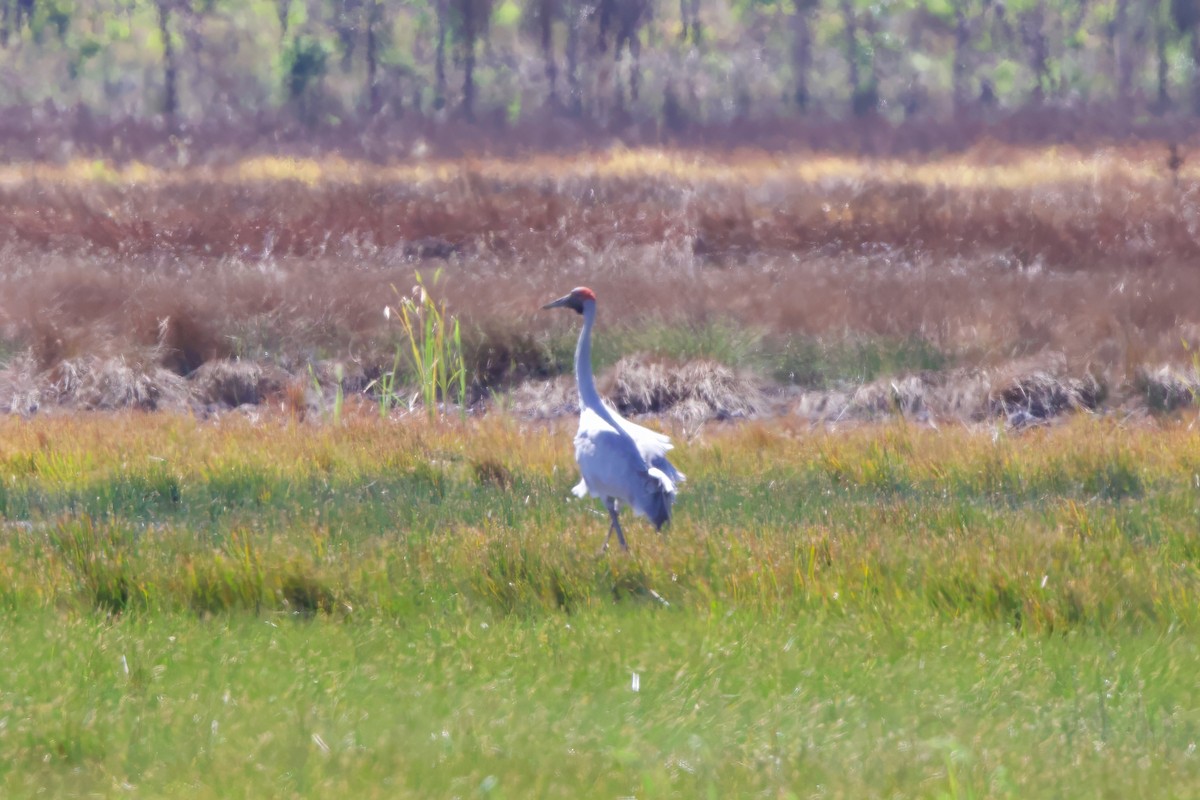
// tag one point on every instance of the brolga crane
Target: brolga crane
(620, 462)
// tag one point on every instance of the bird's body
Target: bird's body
(633, 469)
(620, 462)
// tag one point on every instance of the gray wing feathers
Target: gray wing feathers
(659, 496)
(652, 445)
(634, 470)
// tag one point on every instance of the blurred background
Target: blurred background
(870, 75)
(829, 209)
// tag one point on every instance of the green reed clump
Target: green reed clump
(435, 350)
(232, 577)
(101, 560)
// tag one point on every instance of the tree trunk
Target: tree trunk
(1161, 33)
(283, 9)
(961, 70)
(374, 19)
(1034, 33)
(851, 21)
(871, 29)
(574, 93)
(1123, 51)
(14, 15)
(439, 59)
(470, 33)
(547, 36)
(689, 15)
(801, 53)
(635, 65)
(1196, 68)
(170, 66)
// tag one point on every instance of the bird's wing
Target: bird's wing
(652, 445)
(639, 433)
(607, 460)
(617, 465)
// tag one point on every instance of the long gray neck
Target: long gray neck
(588, 396)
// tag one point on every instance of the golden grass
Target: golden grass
(986, 166)
(1047, 530)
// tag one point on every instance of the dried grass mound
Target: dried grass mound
(1023, 392)
(1166, 389)
(233, 383)
(1042, 396)
(431, 247)
(110, 383)
(19, 389)
(915, 397)
(694, 391)
(331, 375)
(904, 396)
(546, 399)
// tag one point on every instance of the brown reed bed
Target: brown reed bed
(1075, 264)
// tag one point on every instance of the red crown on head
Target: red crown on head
(584, 293)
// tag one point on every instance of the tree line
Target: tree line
(604, 60)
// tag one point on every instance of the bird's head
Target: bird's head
(574, 300)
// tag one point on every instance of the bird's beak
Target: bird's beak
(559, 303)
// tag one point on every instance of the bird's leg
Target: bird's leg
(608, 504)
(614, 508)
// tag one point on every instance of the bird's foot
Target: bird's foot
(624, 548)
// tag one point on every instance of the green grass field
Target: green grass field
(415, 609)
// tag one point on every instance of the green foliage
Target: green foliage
(506, 14)
(50, 18)
(305, 63)
(86, 51)
(1193, 352)
(458, 512)
(795, 360)
(99, 559)
(8, 349)
(412, 609)
(942, 9)
(726, 704)
(435, 349)
(231, 579)
(387, 386)
(720, 340)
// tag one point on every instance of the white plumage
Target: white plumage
(621, 462)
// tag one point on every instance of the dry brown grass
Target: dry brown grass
(136, 274)
(1022, 392)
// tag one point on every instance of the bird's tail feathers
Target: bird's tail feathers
(664, 480)
(661, 497)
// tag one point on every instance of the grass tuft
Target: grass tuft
(99, 558)
(223, 582)
(305, 594)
